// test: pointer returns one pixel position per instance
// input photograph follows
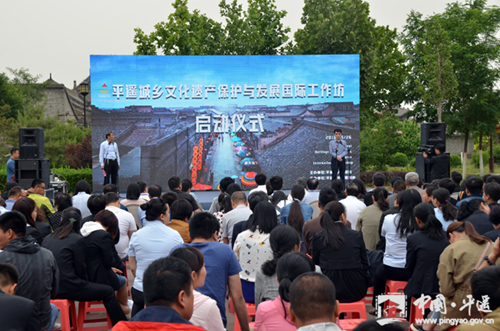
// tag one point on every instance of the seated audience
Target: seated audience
(169, 198)
(353, 206)
(457, 179)
(223, 184)
(473, 211)
(205, 311)
(62, 201)
(180, 212)
(260, 180)
(113, 189)
(168, 294)
(231, 188)
(152, 242)
(27, 207)
(37, 193)
(275, 314)
(133, 196)
(187, 186)
(154, 192)
(378, 180)
(312, 191)
(449, 185)
(81, 196)
(444, 210)
(473, 189)
(126, 223)
(397, 186)
(297, 212)
(175, 185)
(369, 218)
(411, 181)
(494, 218)
(8, 187)
(427, 198)
(16, 313)
(68, 248)
(338, 186)
(44, 228)
(239, 213)
(312, 226)
(143, 187)
(341, 254)
(252, 247)
(225, 206)
(491, 193)
(361, 188)
(313, 302)
(15, 194)
(283, 239)
(383, 324)
(95, 204)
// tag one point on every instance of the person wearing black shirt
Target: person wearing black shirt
(439, 164)
(175, 185)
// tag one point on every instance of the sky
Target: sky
(57, 37)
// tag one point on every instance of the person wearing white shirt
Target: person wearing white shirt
(260, 179)
(313, 191)
(126, 223)
(352, 205)
(240, 213)
(109, 158)
(81, 197)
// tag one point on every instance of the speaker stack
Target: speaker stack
(431, 135)
(31, 163)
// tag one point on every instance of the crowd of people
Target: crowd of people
(296, 256)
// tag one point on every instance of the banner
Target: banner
(209, 117)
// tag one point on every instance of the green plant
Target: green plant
(496, 153)
(475, 159)
(455, 160)
(72, 176)
(398, 160)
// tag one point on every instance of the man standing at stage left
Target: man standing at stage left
(109, 158)
(338, 151)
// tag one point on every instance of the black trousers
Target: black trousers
(111, 168)
(98, 292)
(385, 272)
(338, 166)
(138, 298)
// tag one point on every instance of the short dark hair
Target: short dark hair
(352, 190)
(142, 185)
(108, 134)
(312, 296)
(326, 195)
(16, 190)
(110, 188)
(36, 183)
(224, 183)
(255, 198)
(448, 184)
(441, 148)
(14, 221)
(399, 186)
(395, 179)
(474, 185)
(169, 197)
(231, 188)
(181, 209)
(155, 191)
(96, 203)
(174, 182)
(337, 130)
(494, 178)
(63, 201)
(456, 177)
(9, 186)
(493, 190)
(260, 179)
(8, 274)
(487, 282)
(111, 197)
(276, 183)
(13, 150)
(378, 179)
(495, 214)
(109, 220)
(186, 185)
(203, 225)
(82, 186)
(312, 183)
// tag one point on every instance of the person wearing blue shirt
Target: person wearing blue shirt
(11, 163)
(338, 151)
(297, 194)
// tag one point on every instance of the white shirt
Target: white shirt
(395, 246)
(353, 208)
(80, 202)
(258, 188)
(252, 249)
(108, 151)
(311, 196)
(126, 223)
(238, 214)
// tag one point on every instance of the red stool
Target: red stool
(352, 308)
(416, 312)
(125, 274)
(369, 296)
(67, 309)
(86, 308)
(393, 286)
(251, 312)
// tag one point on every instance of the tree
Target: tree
(345, 27)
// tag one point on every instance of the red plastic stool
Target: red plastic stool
(369, 296)
(86, 308)
(67, 310)
(352, 308)
(393, 286)
(251, 312)
(416, 312)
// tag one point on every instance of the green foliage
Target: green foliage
(496, 153)
(398, 160)
(409, 141)
(455, 160)
(72, 176)
(475, 159)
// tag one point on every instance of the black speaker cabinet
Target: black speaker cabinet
(28, 170)
(31, 143)
(433, 134)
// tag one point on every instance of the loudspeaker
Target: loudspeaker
(31, 143)
(433, 134)
(28, 170)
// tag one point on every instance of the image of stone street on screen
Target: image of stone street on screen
(206, 144)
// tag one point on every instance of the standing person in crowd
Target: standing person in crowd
(353, 206)
(239, 213)
(312, 226)
(473, 189)
(283, 239)
(369, 218)
(411, 180)
(341, 254)
(397, 186)
(445, 212)
(422, 253)
(148, 244)
(15, 194)
(253, 200)
(260, 180)
(38, 272)
(396, 229)
(175, 185)
(338, 186)
(275, 314)
(223, 269)
(495, 222)
(126, 224)
(297, 212)
(180, 212)
(440, 164)
(491, 193)
(27, 207)
(225, 206)
(223, 184)
(109, 158)
(313, 191)
(95, 204)
(338, 151)
(205, 311)
(37, 193)
(16, 313)
(143, 186)
(252, 247)
(313, 301)
(100, 253)
(378, 180)
(11, 164)
(68, 247)
(474, 212)
(133, 196)
(62, 201)
(81, 196)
